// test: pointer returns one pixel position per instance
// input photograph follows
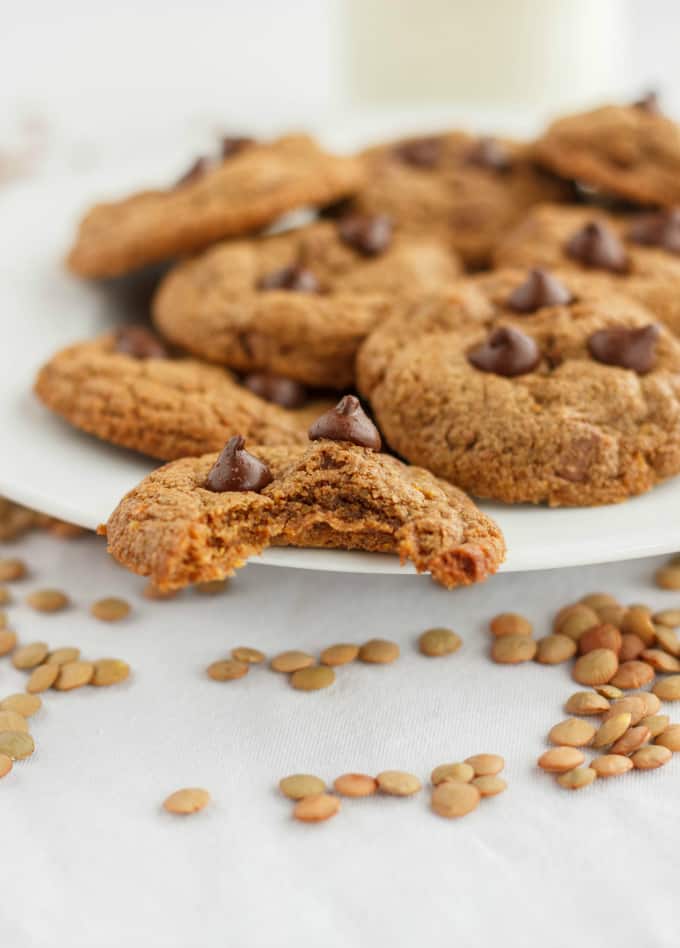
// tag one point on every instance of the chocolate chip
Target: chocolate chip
(595, 245)
(237, 469)
(648, 103)
(347, 422)
(628, 348)
(140, 342)
(539, 289)
(420, 152)
(275, 388)
(659, 229)
(232, 145)
(369, 235)
(489, 153)
(197, 170)
(296, 278)
(507, 352)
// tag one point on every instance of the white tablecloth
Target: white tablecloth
(88, 857)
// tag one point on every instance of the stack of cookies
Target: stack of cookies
(508, 312)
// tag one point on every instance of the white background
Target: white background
(87, 856)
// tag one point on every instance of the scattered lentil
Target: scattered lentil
(42, 678)
(595, 668)
(251, 656)
(611, 765)
(317, 808)
(13, 721)
(486, 765)
(16, 744)
(289, 662)
(212, 588)
(457, 771)
(657, 724)
(633, 674)
(109, 671)
(12, 569)
(398, 783)
(489, 786)
(586, 702)
(612, 729)
(48, 600)
(62, 655)
(668, 577)
(355, 785)
(379, 652)
(74, 675)
(227, 669)
(667, 617)
(574, 732)
(187, 801)
(577, 778)
(453, 799)
(632, 740)
(438, 642)
(298, 786)
(313, 678)
(6, 765)
(600, 636)
(669, 737)
(651, 757)
(110, 609)
(559, 759)
(668, 689)
(510, 623)
(341, 654)
(513, 649)
(660, 661)
(554, 649)
(632, 647)
(8, 641)
(23, 704)
(29, 656)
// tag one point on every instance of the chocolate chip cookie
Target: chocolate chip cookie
(199, 519)
(124, 388)
(636, 254)
(632, 151)
(467, 189)
(299, 303)
(530, 386)
(247, 188)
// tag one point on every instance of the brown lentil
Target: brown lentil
(611, 765)
(48, 600)
(657, 724)
(586, 702)
(651, 757)
(668, 689)
(11, 569)
(463, 772)
(5, 596)
(355, 785)
(612, 729)
(212, 588)
(315, 809)
(227, 669)
(28, 656)
(575, 623)
(554, 649)
(595, 668)
(650, 701)
(313, 678)
(486, 765)
(299, 786)
(669, 737)
(577, 778)
(251, 656)
(597, 599)
(608, 691)
(8, 641)
(600, 636)
(668, 577)
(668, 640)
(638, 621)
(341, 654)
(13, 721)
(42, 678)
(289, 662)
(632, 647)
(660, 661)
(513, 649)
(667, 617)
(437, 642)
(635, 704)
(453, 799)
(510, 623)
(612, 614)
(110, 609)
(74, 675)
(27, 705)
(559, 759)
(574, 732)
(187, 801)
(151, 591)
(62, 655)
(489, 786)
(379, 652)
(109, 671)
(632, 740)
(633, 674)
(6, 765)
(16, 744)
(398, 783)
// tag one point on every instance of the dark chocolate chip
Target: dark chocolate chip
(597, 246)
(199, 168)
(629, 348)
(658, 229)
(140, 342)
(369, 235)
(296, 278)
(648, 103)
(539, 289)
(237, 469)
(507, 351)
(420, 152)
(347, 422)
(232, 145)
(491, 154)
(275, 388)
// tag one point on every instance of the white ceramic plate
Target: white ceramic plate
(46, 464)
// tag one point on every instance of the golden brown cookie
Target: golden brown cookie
(163, 407)
(513, 391)
(181, 525)
(299, 303)
(632, 151)
(467, 189)
(636, 254)
(245, 191)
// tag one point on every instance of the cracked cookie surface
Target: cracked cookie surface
(166, 408)
(240, 195)
(570, 432)
(214, 305)
(326, 494)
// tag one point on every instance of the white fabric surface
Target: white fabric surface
(88, 857)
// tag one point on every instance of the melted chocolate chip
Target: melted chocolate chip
(507, 352)
(347, 422)
(232, 145)
(197, 170)
(369, 235)
(420, 152)
(275, 388)
(539, 289)
(236, 469)
(648, 103)
(659, 229)
(595, 245)
(628, 348)
(491, 154)
(296, 278)
(140, 342)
